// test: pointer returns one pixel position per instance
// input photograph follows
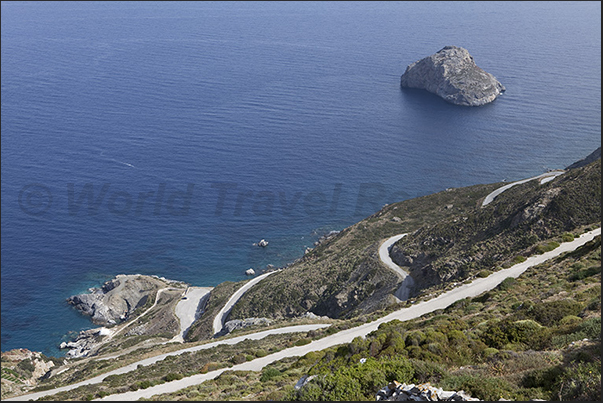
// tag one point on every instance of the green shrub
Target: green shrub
(506, 283)
(362, 380)
(414, 338)
(567, 237)
(239, 359)
(302, 342)
(261, 353)
(311, 392)
(582, 274)
(570, 320)
(484, 273)
(519, 259)
(483, 388)
(547, 247)
(414, 352)
(269, 373)
(516, 335)
(456, 337)
(27, 366)
(551, 312)
(426, 371)
(482, 298)
(542, 378)
(581, 381)
(145, 384)
(173, 377)
(489, 352)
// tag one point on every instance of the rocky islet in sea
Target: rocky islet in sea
(452, 74)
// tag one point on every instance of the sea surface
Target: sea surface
(168, 138)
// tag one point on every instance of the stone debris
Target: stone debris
(424, 392)
(312, 315)
(235, 324)
(303, 381)
(84, 343)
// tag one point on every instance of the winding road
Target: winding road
(386, 258)
(221, 317)
(545, 177)
(403, 292)
(153, 360)
(444, 300)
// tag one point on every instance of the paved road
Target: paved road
(187, 310)
(403, 292)
(545, 177)
(472, 289)
(220, 318)
(386, 259)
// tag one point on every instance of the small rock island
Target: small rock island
(452, 74)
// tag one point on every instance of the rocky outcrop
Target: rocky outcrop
(424, 392)
(311, 315)
(453, 75)
(23, 369)
(263, 243)
(117, 299)
(592, 157)
(235, 324)
(84, 343)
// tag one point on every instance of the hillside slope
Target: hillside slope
(534, 337)
(514, 224)
(451, 238)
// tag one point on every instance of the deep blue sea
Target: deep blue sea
(167, 138)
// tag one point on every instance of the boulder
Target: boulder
(250, 272)
(396, 391)
(235, 324)
(453, 75)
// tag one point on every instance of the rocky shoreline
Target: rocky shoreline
(116, 300)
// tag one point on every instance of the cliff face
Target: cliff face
(516, 222)
(452, 74)
(595, 155)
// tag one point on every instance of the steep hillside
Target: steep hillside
(451, 238)
(343, 275)
(514, 224)
(534, 337)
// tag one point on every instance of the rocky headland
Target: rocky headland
(595, 155)
(453, 75)
(117, 299)
(124, 299)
